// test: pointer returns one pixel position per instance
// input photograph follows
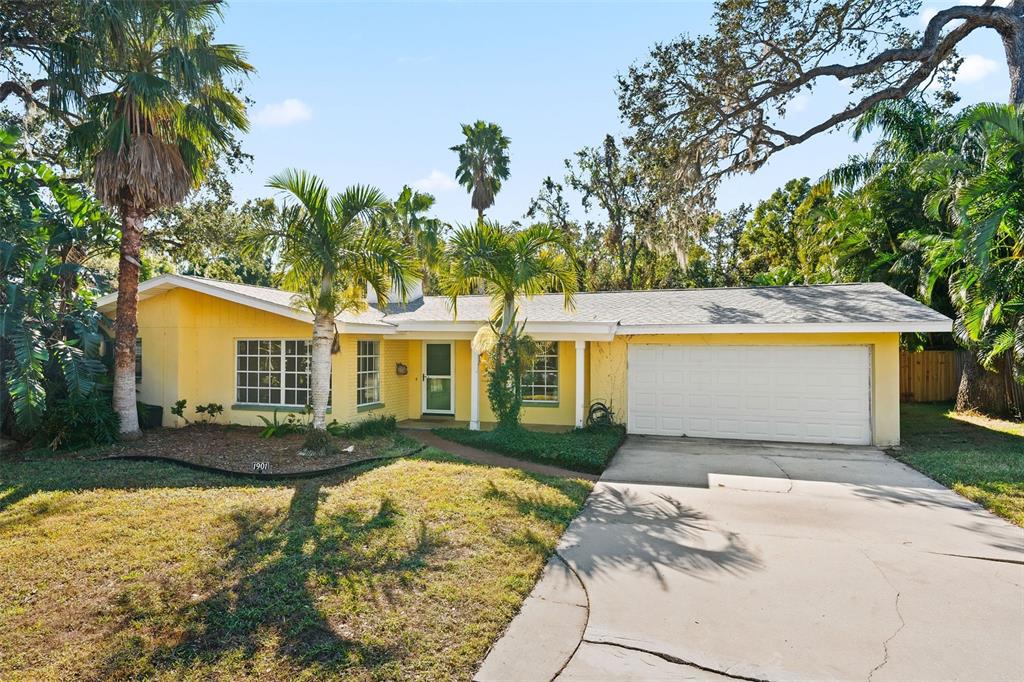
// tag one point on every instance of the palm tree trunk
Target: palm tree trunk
(1013, 45)
(320, 374)
(126, 326)
(981, 390)
(507, 311)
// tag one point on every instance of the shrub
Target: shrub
(367, 428)
(178, 409)
(276, 429)
(210, 411)
(512, 352)
(587, 449)
(72, 423)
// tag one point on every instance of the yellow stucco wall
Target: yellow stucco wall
(188, 351)
(564, 413)
(609, 360)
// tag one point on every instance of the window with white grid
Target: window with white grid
(273, 372)
(367, 372)
(540, 382)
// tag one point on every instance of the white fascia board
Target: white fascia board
(571, 331)
(165, 282)
(544, 330)
(436, 336)
(800, 328)
(146, 289)
(366, 328)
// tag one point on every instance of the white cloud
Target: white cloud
(975, 68)
(435, 182)
(284, 113)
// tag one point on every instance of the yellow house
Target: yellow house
(815, 364)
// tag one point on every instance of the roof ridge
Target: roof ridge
(244, 284)
(685, 290)
(581, 293)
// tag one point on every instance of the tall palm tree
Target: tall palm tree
(411, 225)
(150, 86)
(984, 258)
(483, 163)
(332, 248)
(507, 265)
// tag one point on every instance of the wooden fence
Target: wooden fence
(929, 376)
(934, 375)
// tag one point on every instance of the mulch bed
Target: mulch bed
(240, 450)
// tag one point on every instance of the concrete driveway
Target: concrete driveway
(699, 559)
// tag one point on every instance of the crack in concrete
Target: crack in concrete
(1018, 562)
(784, 473)
(899, 614)
(676, 660)
(586, 622)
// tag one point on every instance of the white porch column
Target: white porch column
(474, 393)
(581, 369)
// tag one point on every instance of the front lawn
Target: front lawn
(587, 450)
(978, 457)
(407, 569)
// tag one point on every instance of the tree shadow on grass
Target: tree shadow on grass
(282, 591)
(268, 604)
(549, 510)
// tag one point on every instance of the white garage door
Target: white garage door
(811, 394)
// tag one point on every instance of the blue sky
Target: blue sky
(375, 93)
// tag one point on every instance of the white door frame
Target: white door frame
(450, 377)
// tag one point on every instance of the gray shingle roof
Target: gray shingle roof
(830, 304)
(282, 298)
(818, 304)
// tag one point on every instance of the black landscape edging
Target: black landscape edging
(293, 475)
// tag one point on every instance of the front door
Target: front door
(438, 378)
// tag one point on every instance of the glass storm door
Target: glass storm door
(438, 393)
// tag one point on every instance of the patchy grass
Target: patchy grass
(979, 457)
(586, 450)
(407, 569)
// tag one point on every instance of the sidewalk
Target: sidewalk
(492, 458)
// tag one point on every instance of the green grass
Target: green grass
(586, 450)
(978, 457)
(408, 569)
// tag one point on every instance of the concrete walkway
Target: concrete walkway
(697, 559)
(491, 458)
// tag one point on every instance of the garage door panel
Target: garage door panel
(645, 400)
(786, 393)
(672, 401)
(671, 425)
(757, 429)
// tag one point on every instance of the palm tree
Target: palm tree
(156, 111)
(507, 265)
(332, 248)
(984, 259)
(483, 163)
(410, 224)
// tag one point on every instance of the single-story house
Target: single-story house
(815, 364)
